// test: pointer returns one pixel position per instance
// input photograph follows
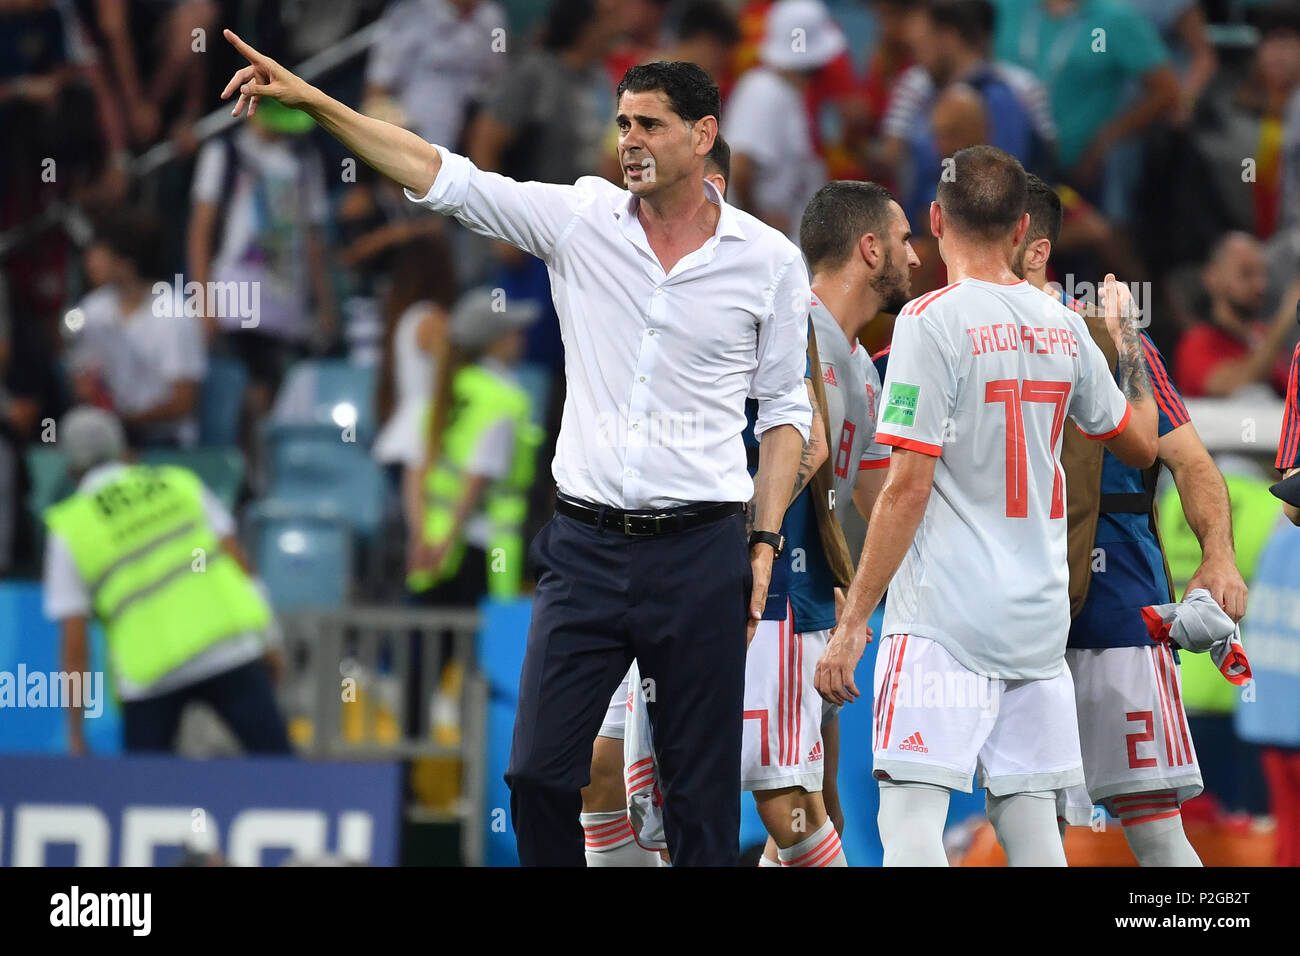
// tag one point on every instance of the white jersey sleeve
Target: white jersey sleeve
(920, 389)
(875, 454)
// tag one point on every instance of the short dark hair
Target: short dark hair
(1044, 208)
(837, 216)
(985, 194)
(720, 156)
(1281, 17)
(971, 19)
(565, 22)
(137, 236)
(708, 18)
(691, 93)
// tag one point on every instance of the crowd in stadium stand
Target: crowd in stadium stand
(1172, 137)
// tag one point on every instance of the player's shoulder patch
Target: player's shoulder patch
(900, 404)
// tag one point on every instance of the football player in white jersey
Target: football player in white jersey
(969, 531)
(1139, 757)
(857, 242)
(609, 835)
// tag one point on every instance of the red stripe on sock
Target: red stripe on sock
(1150, 818)
(815, 851)
(830, 853)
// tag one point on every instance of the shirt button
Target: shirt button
(635, 426)
(643, 378)
(659, 291)
(652, 331)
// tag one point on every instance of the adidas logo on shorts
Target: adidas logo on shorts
(915, 744)
(816, 753)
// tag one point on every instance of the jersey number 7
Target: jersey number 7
(1012, 393)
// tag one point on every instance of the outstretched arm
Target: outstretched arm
(396, 153)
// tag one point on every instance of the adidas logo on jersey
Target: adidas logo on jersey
(915, 744)
(816, 753)
(828, 376)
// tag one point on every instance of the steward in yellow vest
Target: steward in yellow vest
(151, 555)
(481, 460)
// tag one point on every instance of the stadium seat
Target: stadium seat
(328, 392)
(49, 474)
(535, 379)
(49, 483)
(305, 560)
(221, 469)
(222, 401)
(311, 467)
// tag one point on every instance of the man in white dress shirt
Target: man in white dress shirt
(673, 307)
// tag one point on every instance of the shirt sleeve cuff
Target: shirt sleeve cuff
(867, 464)
(1123, 424)
(911, 444)
(792, 408)
(447, 194)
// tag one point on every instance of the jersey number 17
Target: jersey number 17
(1013, 393)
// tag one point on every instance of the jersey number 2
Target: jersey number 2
(1012, 393)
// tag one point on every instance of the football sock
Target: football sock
(1153, 827)
(610, 841)
(911, 822)
(764, 861)
(1025, 824)
(821, 849)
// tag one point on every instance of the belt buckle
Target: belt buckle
(627, 525)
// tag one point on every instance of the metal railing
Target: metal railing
(362, 679)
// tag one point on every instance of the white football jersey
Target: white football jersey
(983, 376)
(852, 394)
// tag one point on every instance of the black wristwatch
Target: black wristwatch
(777, 541)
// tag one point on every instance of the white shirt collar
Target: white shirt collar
(728, 222)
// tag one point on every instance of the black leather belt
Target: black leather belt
(647, 522)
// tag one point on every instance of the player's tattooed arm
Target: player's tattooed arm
(814, 451)
(1130, 367)
(1137, 444)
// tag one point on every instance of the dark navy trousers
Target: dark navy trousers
(243, 697)
(676, 602)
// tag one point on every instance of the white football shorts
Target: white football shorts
(782, 738)
(937, 722)
(1133, 729)
(641, 771)
(616, 714)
